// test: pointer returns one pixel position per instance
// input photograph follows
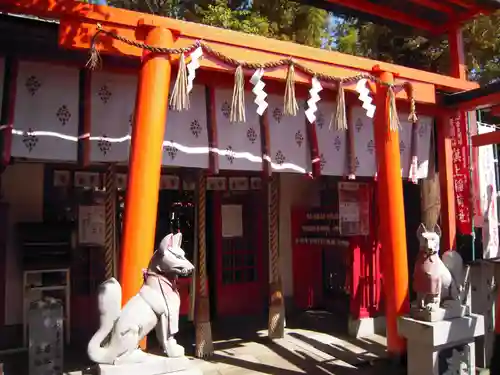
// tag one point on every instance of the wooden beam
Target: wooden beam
(486, 139)
(85, 123)
(465, 4)
(385, 12)
(484, 99)
(8, 107)
(314, 151)
(459, 20)
(435, 5)
(265, 137)
(495, 111)
(213, 157)
(458, 64)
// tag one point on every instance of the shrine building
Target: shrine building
(289, 206)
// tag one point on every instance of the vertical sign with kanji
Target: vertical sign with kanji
(461, 174)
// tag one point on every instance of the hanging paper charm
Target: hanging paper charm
(258, 90)
(192, 66)
(414, 157)
(364, 96)
(313, 99)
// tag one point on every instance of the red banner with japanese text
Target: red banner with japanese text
(461, 172)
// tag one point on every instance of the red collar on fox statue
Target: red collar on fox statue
(428, 253)
(172, 282)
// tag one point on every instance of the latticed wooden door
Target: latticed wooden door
(240, 283)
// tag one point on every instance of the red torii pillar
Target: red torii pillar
(392, 220)
(141, 202)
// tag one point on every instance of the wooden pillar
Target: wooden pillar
(445, 160)
(430, 205)
(276, 322)
(204, 344)
(392, 216)
(145, 163)
(445, 152)
(458, 65)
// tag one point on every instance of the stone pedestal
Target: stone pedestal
(483, 278)
(451, 309)
(436, 347)
(156, 365)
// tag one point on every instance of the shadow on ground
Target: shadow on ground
(311, 346)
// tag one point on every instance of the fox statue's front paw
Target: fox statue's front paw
(173, 350)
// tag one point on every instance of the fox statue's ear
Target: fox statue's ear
(421, 229)
(166, 242)
(177, 240)
(437, 230)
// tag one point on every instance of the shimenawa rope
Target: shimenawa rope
(180, 99)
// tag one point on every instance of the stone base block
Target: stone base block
(450, 310)
(437, 347)
(156, 365)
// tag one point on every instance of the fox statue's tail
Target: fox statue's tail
(455, 265)
(110, 299)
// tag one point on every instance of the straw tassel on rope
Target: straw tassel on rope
(94, 60)
(339, 119)
(393, 111)
(238, 103)
(290, 103)
(179, 101)
(412, 117)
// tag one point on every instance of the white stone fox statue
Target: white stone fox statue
(156, 305)
(436, 279)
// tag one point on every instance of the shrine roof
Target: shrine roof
(435, 16)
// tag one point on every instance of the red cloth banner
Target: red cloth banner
(461, 172)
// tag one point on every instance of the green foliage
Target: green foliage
(279, 19)
(482, 41)
(405, 47)
(220, 14)
(291, 21)
(168, 8)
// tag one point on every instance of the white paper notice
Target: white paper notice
(91, 225)
(349, 211)
(232, 220)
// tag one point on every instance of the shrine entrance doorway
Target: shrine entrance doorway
(337, 265)
(240, 282)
